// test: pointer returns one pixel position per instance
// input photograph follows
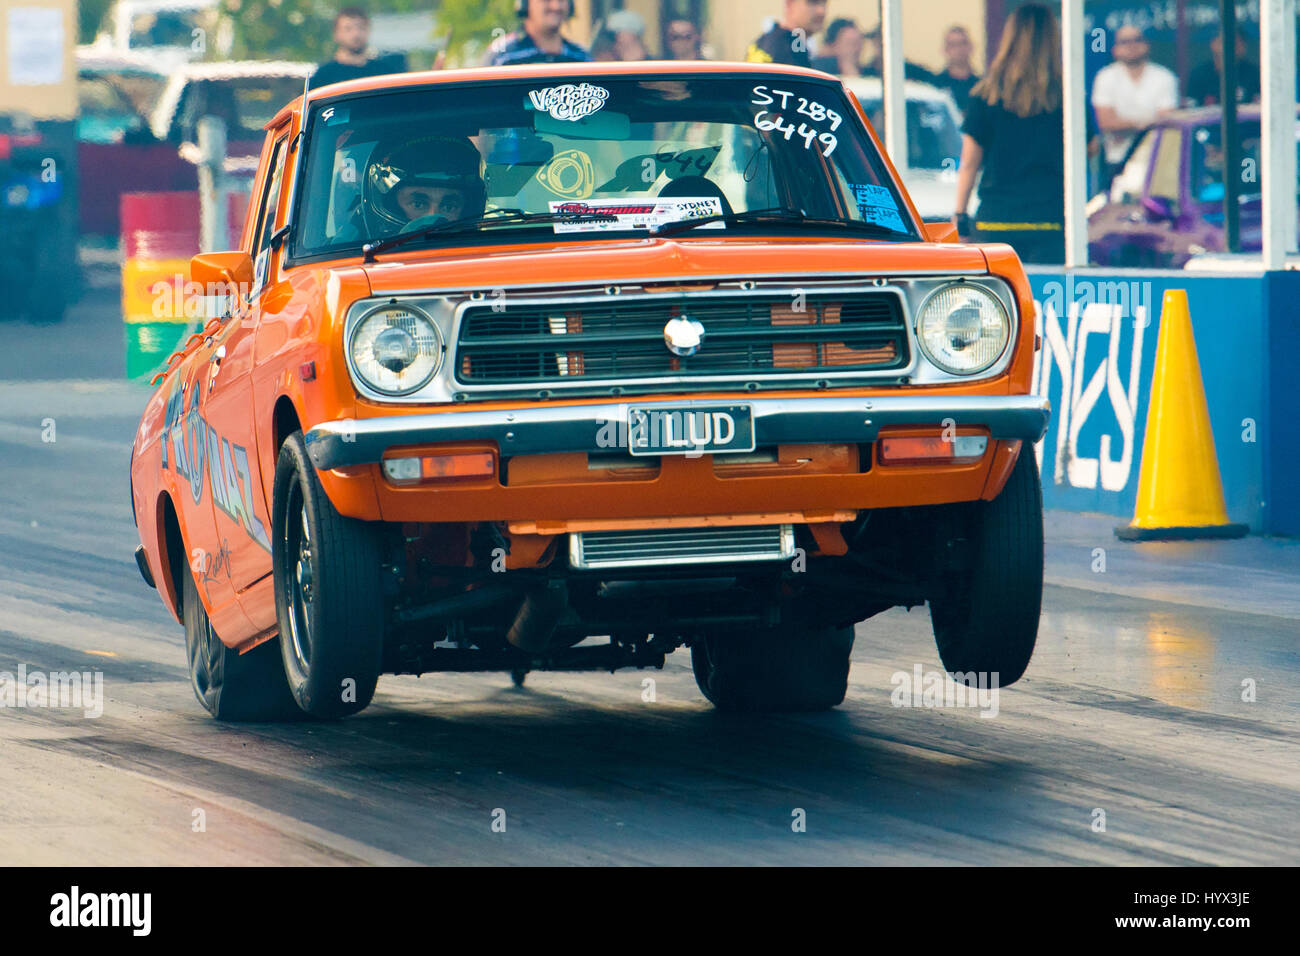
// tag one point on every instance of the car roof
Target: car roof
(159, 6)
(92, 59)
(241, 68)
(1202, 115)
(565, 71)
(170, 98)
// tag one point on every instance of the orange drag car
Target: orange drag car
(515, 359)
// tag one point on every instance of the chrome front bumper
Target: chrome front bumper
(586, 428)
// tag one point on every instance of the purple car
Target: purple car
(1165, 206)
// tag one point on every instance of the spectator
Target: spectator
(958, 77)
(875, 65)
(1014, 131)
(843, 49)
(351, 59)
(1129, 95)
(604, 47)
(539, 40)
(629, 35)
(1203, 86)
(682, 41)
(787, 41)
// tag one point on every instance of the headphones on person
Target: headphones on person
(521, 9)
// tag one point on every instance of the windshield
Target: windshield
(640, 151)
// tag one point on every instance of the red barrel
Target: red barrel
(165, 225)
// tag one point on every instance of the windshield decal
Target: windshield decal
(814, 111)
(876, 204)
(634, 214)
(570, 174)
(810, 108)
(572, 101)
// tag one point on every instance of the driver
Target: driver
(418, 183)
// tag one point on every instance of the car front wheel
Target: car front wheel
(986, 621)
(328, 592)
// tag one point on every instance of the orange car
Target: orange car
(514, 358)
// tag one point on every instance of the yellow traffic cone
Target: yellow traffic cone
(1180, 494)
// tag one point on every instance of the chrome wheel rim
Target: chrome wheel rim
(300, 581)
(203, 657)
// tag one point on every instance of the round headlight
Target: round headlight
(963, 329)
(395, 350)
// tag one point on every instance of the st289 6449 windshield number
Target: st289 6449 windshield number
(815, 111)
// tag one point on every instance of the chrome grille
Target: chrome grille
(667, 546)
(592, 341)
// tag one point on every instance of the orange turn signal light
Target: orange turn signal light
(430, 467)
(932, 449)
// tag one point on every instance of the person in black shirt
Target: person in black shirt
(957, 76)
(1014, 130)
(1203, 87)
(841, 49)
(844, 45)
(787, 41)
(875, 66)
(351, 60)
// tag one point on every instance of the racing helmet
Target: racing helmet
(438, 161)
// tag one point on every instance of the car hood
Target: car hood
(663, 259)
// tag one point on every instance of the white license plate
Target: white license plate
(690, 430)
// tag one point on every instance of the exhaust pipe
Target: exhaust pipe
(458, 605)
(538, 616)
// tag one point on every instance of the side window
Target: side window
(1166, 172)
(266, 217)
(1128, 185)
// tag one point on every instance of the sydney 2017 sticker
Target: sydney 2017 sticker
(624, 214)
(571, 102)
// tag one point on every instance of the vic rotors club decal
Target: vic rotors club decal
(194, 444)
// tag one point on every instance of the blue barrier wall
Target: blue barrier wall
(1099, 341)
(1282, 451)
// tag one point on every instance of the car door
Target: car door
(240, 509)
(184, 453)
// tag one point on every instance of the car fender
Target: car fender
(300, 361)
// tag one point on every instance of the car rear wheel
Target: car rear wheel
(328, 592)
(230, 685)
(774, 669)
(987, 620)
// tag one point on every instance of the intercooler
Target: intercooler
(591, 550)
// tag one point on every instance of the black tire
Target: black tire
(328, 592)
(774, 669)
(987, 621)
(231, 686)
